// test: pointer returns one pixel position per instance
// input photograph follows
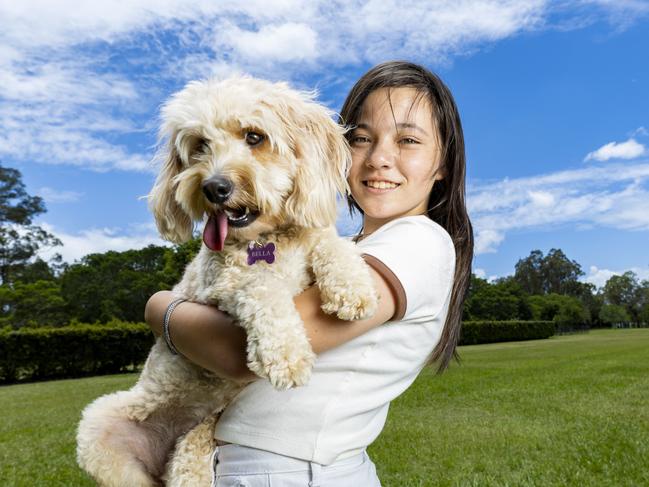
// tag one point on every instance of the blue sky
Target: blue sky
(554, 98)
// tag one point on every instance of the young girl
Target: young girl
(407, 179)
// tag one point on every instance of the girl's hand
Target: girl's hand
(203, 334)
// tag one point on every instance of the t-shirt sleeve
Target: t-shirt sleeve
(416, 257)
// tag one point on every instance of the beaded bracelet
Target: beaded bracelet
(165, 325)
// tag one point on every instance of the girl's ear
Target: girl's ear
(173, 222)
(440, 173)
(324, 159)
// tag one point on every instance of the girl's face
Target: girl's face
(395, 156)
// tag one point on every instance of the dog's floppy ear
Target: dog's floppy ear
(173, 222)
(324, 159)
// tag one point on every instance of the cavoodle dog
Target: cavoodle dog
(262, 164)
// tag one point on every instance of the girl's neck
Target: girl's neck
(371, 225)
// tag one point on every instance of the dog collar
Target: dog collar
(257, 251)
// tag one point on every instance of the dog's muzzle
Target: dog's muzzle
(218, 189)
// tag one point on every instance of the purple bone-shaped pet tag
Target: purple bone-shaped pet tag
(261, 252)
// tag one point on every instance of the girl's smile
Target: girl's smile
(379, 187)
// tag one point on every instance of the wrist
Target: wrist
(166, 333)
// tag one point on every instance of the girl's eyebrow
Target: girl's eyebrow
(408, 125)
(400, 126)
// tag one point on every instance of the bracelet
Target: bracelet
(165, 325)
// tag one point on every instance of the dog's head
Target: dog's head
(252, 156)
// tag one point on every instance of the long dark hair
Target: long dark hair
(446, 204)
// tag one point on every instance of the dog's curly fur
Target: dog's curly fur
(288, 174)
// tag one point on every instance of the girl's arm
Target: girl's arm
(209, 338)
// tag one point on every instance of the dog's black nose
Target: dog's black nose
(218, 189)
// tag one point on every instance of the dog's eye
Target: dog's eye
(202, 146)
(254, 138)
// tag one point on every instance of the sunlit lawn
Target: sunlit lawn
(568, 411)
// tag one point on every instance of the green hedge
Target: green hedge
(72, 351)
(82, 350)
(474, 332)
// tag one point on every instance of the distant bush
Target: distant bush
(79, 350)
(474, 332)
(72, 351)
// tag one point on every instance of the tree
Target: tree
(560, 274)
(625, 291)
(613, 314)
(513, 288)
(566, 311)
(572, 315)
(118, 284)
(553, 273)
(32, 304)
(529, 273)
(502, 300)
(587, 293)
(20, 240)
(644, 315)
(593, 302)
(177, 258)
(644, 302)
(621, 290)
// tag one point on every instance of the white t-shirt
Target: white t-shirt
(344, 406)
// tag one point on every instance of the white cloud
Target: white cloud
(55, 112)
(61, 105)
(99, 240)
(61, 144)
(76, 75)
(65, 22)
(487, 240)
(614, 196)
(51, 195)
(288, 42)
(630, 149)
(68, 22)
(621, 13)
(410, 28)
(480, 273)
(600, 276)
(44, 81)
(541, 199)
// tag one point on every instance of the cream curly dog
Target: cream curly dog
(262, 163)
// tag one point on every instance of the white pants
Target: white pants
(242, 466)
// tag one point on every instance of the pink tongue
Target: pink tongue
(216, 229)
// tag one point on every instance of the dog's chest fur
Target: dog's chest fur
(215, 277)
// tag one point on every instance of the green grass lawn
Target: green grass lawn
(568, 411)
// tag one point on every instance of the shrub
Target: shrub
(72, 351)
(79, 350)
(474, 332)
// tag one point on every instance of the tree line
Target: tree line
(116, 285)
(547, 287)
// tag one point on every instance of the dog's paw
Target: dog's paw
(286, 365)
(354, 303)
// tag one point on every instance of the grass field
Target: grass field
(568, 411)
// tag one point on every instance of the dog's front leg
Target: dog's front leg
(278, 347)
(346, 286)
